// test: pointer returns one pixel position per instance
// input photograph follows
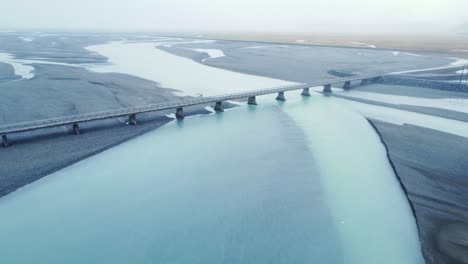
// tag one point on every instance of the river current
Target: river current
(302, 181)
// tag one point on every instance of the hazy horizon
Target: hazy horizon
(294, 16)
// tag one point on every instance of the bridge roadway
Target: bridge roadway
(178, 105)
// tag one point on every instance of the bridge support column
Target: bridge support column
(132, 120)
(180, 114)
(281, 97)
(219, 107)
(365, 82)
(5, 141)
(327, 88)
(347, 85)
(252, 100)
(305, 92)
(76, 129)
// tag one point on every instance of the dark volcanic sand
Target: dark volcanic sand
(304, 63)
(433, 167)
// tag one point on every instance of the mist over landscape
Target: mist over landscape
(337, 16)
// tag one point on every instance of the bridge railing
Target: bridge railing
(74, 119)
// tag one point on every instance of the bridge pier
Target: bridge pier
(4, 141)
(219, 107)
(132, 120)
(281, 97)
(347, 85)
(76, 129)
(305, 92)
(252, 100)
(180, 114)
(327, 88)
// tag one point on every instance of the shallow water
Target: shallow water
(176, 72)
(402, 117)
(216, 189)
(371, 215)
(25, 67)
(453, 104)
(25, 71)
(192, 78)
(252, 185)
(456, 62)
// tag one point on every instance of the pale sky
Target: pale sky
(397, 16)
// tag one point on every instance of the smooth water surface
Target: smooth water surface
(252, 185)
(306, 181)
(373, 217)
(147, 61)
(239, 187)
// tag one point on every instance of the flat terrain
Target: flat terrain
(419, 43)
(432, 167)
(430, 164)
(302, 63)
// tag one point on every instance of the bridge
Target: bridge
(178, 105)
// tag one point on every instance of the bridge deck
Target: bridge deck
(67, 120)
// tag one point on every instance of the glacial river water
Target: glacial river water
(305, 181)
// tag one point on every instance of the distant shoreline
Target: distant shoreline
(456, 44)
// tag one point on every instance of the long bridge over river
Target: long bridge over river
(179, 105)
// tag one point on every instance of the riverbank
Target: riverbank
(57, 91)
(431, 166)
(427, 147)
(34, 157)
